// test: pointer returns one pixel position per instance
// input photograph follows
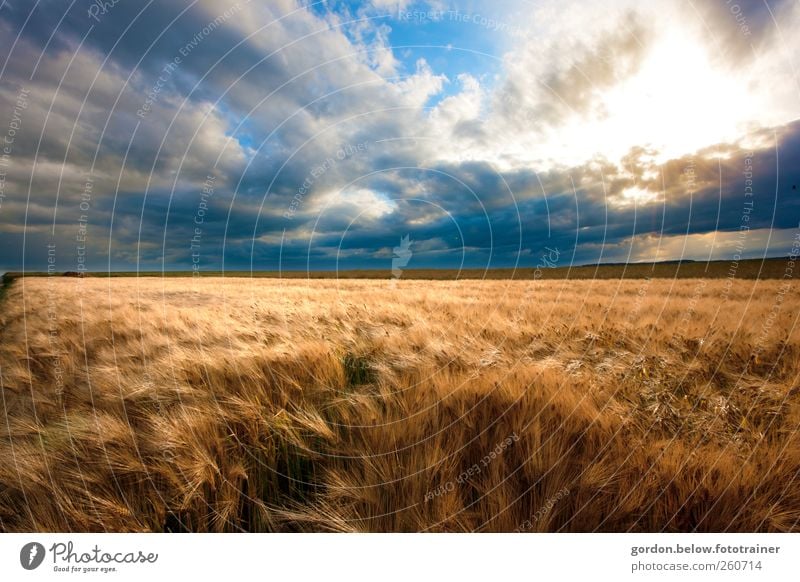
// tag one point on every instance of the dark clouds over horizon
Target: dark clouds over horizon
(272, 135)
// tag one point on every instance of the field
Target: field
(766, 268)
(228, 404)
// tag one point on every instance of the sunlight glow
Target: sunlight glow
(635, 196)
(677, 103)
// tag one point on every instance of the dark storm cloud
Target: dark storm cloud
(739, 29)
(545, 211)
(319, 164)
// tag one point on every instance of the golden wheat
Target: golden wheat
(273, 405)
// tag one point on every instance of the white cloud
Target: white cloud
(418, 88)
(354, 204)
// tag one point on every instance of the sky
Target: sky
(214, 135)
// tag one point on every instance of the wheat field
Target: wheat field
(230, 404)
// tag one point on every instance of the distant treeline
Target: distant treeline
(772, 268)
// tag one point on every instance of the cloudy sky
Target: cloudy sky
(276, 134)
